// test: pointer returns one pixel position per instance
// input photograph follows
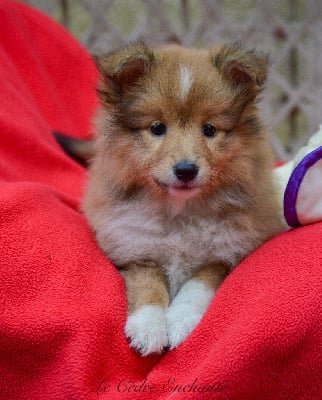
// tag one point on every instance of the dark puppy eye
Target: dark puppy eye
(209, 130)
(158, 129)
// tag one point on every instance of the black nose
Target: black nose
(185, 170)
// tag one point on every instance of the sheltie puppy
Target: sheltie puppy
(180, 187)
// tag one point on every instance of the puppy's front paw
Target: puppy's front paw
(186, 311)
(146, 329)
(181, 321)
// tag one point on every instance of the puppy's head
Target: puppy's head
(182, 123)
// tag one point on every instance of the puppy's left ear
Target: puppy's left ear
(246, 69)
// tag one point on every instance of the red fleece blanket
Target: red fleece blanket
(62, 303)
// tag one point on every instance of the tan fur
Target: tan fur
(129, 200)
(145, 284)
(211, 275)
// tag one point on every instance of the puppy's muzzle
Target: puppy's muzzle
(185, 170)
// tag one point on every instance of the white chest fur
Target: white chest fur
(134, 231)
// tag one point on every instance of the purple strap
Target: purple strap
(294, 184)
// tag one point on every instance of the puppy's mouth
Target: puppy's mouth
(179, 189)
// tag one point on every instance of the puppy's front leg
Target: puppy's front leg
(148, 298)
(192, 301)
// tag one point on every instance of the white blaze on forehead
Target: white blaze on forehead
(185, 81)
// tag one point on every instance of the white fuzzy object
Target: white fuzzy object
(283, 173)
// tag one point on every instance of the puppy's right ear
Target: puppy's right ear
(121, 70)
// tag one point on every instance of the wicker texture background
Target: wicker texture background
(290, 30)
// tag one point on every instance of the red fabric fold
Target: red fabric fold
(62, 303)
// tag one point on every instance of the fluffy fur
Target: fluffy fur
(175, 240)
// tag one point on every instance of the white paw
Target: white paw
(180, 323)
(186, 311)
(146, 329)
